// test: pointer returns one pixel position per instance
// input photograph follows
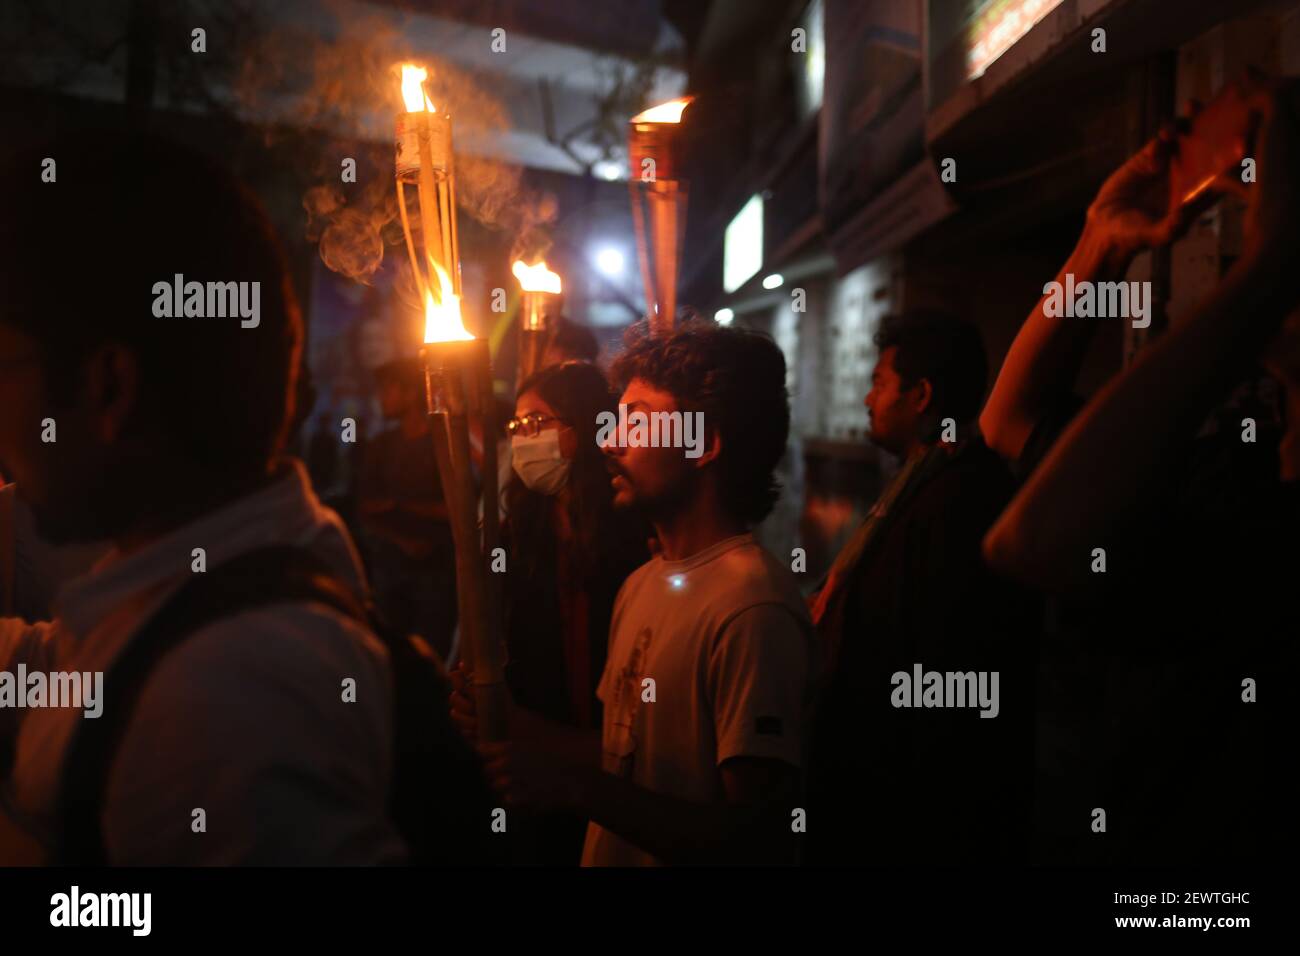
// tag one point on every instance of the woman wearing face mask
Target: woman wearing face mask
(568, 552)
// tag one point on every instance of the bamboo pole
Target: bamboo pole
(420, 288)
(532, 346)
(451, 222)
(665, 200)
(642, 246)
(487, 416)
(430, 222)
(493, 698)
(450, 362)
(658, 212)
(535, 327)
(451, 498)
(653, 139)
(458, 386)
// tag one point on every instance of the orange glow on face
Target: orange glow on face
(442, 322)
(670, 112)
(536, 278)
(413, 95)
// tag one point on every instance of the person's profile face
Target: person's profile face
(892, 407)
(530, 405)
(654, 480)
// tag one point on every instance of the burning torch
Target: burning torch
(458, 386)
(540, 305)
(659, 200)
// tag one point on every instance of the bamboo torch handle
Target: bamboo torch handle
(494, 625)
(451, 497)
(665, 207)
(416, 272)
(428, 194)
(487, 415)
(489, 678)
(642, 247)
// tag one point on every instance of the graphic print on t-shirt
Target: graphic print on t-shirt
(621, 743)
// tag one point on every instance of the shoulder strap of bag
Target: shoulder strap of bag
(273, 575)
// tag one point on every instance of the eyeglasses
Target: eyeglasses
(529, 425)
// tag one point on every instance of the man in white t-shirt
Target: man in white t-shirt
(710, 655)
(241, 745)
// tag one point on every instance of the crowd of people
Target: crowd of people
(1042, 643)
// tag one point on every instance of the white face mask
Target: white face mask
(538, 462)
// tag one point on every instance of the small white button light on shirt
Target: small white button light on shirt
(678, 581)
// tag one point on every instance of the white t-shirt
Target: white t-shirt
(245, 719)
(726, 638)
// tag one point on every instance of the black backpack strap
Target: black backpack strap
(272, 575)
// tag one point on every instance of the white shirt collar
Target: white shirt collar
(286, 511)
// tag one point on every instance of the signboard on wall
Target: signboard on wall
(742, 249)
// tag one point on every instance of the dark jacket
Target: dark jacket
(928, 785)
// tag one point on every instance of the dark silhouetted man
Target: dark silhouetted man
(911, 772)
(167, 441)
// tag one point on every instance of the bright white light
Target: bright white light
(742, 249)
(723, 316)
(814, 71)
(610, 262)
(774, 281)
(608, 169)
(678, 581)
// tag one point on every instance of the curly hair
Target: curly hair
(736, 377)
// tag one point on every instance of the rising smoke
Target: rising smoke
(344, 83)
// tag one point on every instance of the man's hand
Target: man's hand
(528, 777)
(522, 724)
(542, 764)
(464, 713)
(1132, 210)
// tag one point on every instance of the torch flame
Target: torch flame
(536, 278)
(442, 322)
(413, 77)
(670, 112)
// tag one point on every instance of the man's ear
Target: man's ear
(712, 447)
(112, 389)
(922, 396)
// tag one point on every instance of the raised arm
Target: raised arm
(1128, 215)
(1106, 464)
